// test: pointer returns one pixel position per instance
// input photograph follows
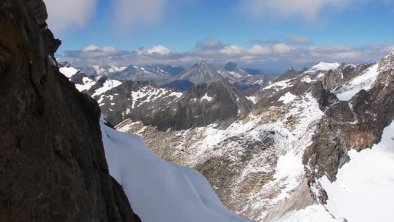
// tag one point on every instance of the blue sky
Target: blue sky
(270, 34)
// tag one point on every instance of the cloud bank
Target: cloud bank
(274, 57)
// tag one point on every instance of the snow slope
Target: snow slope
(363, 191)
(313, 213)
(287, 98)
(68, 71)
(324, 66)
(364, 81)
(87, 84)
(108, 84)
(159, 190)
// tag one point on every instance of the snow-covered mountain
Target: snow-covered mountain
(97, 70)
(255, 163)
(233, 72)
(201, 72)
(154, 73)
(158, 74)
(91, 85)
(278, 158)
(179, 77)
(332, 76)
(157, 190)
(162, 107)
(204, 72)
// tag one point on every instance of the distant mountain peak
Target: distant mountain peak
(390, 54)
(201, 72)
(202, 63)
(231, 66)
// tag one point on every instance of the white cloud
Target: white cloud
(92, 52)
(306, 9)
(282, 48)
(110, 49)
(129, 12)
(69, 13)
(260, 50)
(159, 50)
(90, 48)
(232, 50)
(106, 50)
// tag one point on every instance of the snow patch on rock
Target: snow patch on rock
(287, 98)
(87, 84)
(362, 82)
(68, 71)
(108, 85)
(363, 191)
(207, 98)
(253, 99)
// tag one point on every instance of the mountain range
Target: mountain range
(272, 153)
(201, 72)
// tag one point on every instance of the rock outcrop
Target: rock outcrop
(52, 162)
(356, 124)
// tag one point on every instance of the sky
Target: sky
(272, 35)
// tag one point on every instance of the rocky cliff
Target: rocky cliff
(52, 162)
(356, 123)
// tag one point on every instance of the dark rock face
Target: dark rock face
(52, 163)
(374, 110)
(201, 105)
(227, 102)
(200, 73)
(357, 124)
